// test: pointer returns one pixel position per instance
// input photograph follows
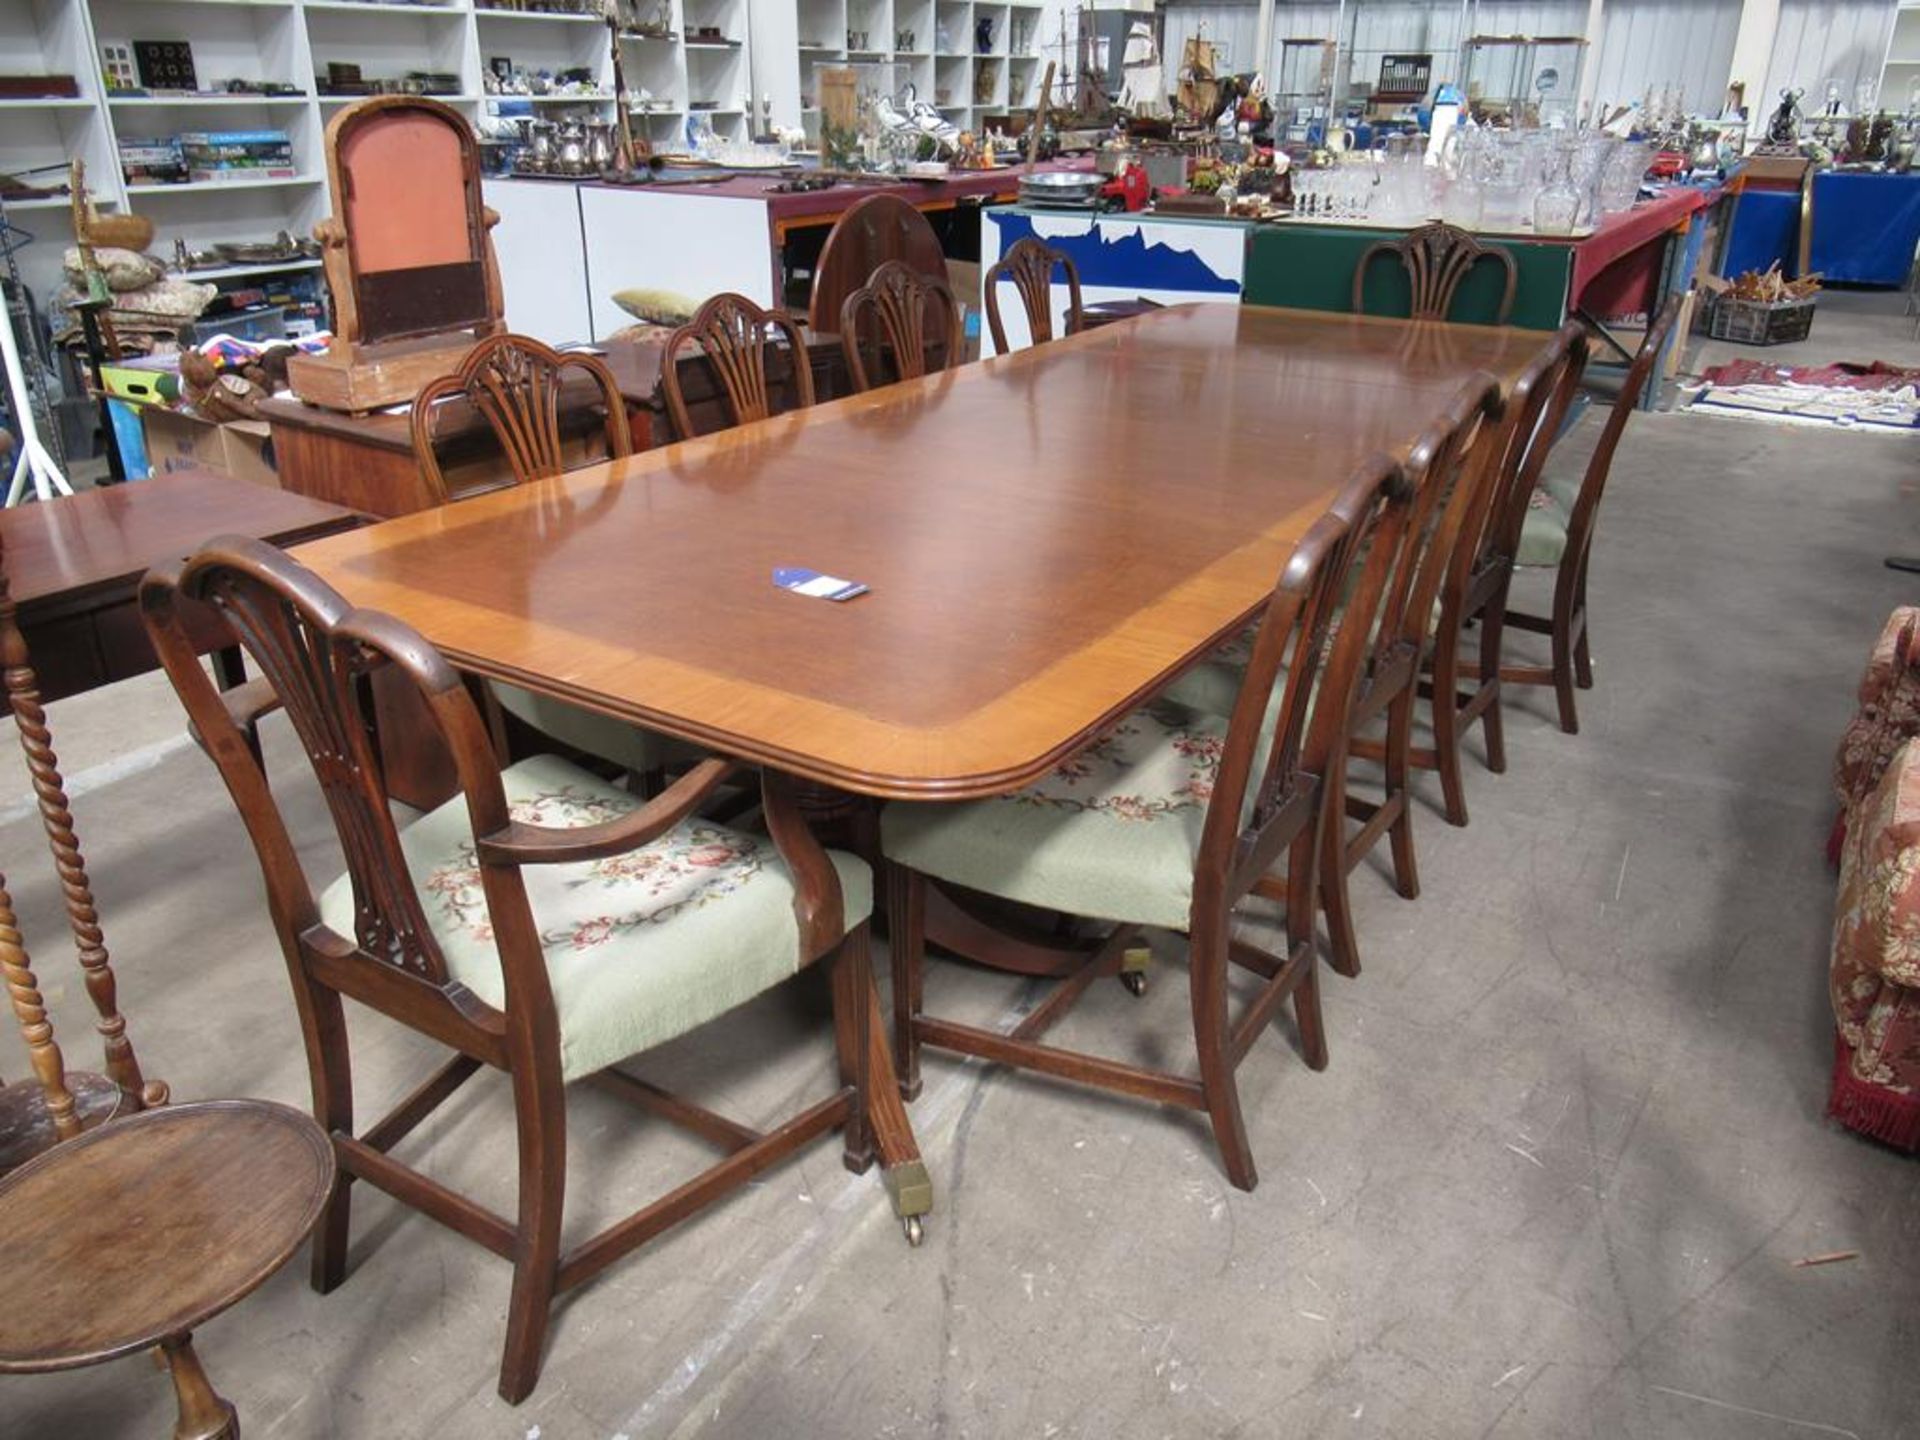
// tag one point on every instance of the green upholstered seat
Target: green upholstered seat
(1212, 687)
(1111, 834)
(1563, 483)
(640, 947)
(1543, 538)
(591, 733)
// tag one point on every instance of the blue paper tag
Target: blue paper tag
(812, 582)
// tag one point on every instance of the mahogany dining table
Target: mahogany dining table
(1048, 538)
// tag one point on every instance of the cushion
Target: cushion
(658, 307)
(592, 733)
(640, 947)
(122, 269)
(1888, 656)
(1111, 834)
(1875, 972)
(1543, 538)
(1888, 714)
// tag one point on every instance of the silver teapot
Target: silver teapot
(571, 158)
(599, 146)
(540, 148)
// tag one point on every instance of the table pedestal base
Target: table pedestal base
(204, 1415)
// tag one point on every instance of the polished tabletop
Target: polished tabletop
(110, 535)
(1048, 537)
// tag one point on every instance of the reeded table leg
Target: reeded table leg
(908, 1183)
(203, 1414)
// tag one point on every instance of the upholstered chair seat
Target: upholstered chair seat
(640, 946)
(1112, 834)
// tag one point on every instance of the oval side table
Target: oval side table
(133, 1234)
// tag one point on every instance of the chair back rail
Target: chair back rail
(1446, 465)
(1437, 258)
(1537, 408)
(1594, 483)
(516, 382)
(317, 655)
(909, 313)
(1311, 643)
(1030, 266)
(734, 335)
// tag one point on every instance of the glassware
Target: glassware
(1620, 186)
(1556, 206)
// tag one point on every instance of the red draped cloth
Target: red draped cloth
(1616, 270)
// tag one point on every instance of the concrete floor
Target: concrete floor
(1552, 1184)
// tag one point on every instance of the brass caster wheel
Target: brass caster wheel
(915, 1232)
(1135, 981)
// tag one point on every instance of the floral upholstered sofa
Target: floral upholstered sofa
(1875, 970)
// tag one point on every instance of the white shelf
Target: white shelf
(240, 272)
(42, 202)
(185, 101)
(208, 187)
(47, 102)
(376, 7)
(446, 99)
(481, 12)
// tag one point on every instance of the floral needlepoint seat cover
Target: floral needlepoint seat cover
(1875, 975)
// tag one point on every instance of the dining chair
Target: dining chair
(873, 230)
(516, 384)
(1166, 822)
(1444, 466)
(735, 335)
(541, 922)
(1558, 532)
(1437, 258)
(911, 314)
(1029, 265)
(1479, 572)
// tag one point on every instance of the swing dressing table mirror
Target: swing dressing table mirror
(407, 251)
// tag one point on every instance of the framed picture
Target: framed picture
(164, 64)
(502, 67)
(116, 65)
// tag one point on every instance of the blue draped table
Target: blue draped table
(1865, 228)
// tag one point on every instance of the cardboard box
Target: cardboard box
(177, 440)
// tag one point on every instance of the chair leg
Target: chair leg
(540, 1116)
(1406, 870)
(1493, 629)
(330, 1066)
(907, 939)
(1211, 1039)
(1333, 871)
(1563, 678)
(1301, 885)
(852, 977)
(1582, 655)
(1446, 725)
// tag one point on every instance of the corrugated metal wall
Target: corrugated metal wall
(1373, 28)
(1684, 43)
(1822, 40)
